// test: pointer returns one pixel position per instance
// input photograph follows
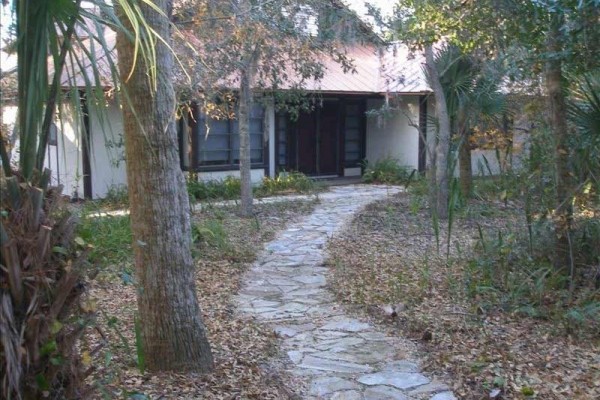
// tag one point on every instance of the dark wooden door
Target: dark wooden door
(306, 137)
(317, 140)
(327, 159)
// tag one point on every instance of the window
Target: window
(281, 140)
(216, 142)
(353, 143)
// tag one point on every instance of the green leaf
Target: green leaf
(49, 348)
(79, 241)
(41, 382)
(499, 381)
(107, 359)
(56, 360)
(138, 345)
(56, 327)
(60, 250)
(527, 391)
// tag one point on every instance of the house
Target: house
(369, 115)
(378, 111)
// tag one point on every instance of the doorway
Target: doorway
(317, 139)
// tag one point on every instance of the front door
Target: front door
(306, 139)
(317, 136)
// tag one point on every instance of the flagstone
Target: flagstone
(341, 357)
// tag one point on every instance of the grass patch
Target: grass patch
(110, 236)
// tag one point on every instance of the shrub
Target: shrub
(387, 171)
(230, 187)
(286, 182)
(116, 198)
(226, 189)
(43, 315)
(513, 271)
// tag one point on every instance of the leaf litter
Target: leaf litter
(247, 361)
(386, 266)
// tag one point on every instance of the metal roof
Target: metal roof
(377, 70)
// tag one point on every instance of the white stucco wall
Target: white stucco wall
(64, 159)
(483, 162)
(107, 155)
(8, 119)
(352, 171)
(391, 135)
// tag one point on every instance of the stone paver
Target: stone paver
(342, 357)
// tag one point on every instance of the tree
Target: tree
(253, 49)
(441, 177)
(560, 36)
(474, 101)
(422, 24)
(42, 264)
(546, 40)
(172, 331)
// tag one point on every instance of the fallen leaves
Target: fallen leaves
(245, 352)
(389, 255)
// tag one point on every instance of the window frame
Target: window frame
(360, 141)
(192, 127)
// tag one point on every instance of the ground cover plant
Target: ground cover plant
(230, 187)
(491, 315)
(387, 171)
(224, 246)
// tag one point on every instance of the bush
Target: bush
(285, 182)
(116, 197)
(387, 171)
(227, 189)
(230, 187)
(43, 315)
(513, 272)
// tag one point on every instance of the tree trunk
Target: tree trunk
(244, 126)
(172, 332)
(558, 125)
(464, 161)
(443, 140)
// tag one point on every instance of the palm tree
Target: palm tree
(42, 264)
(473, 98)
(584, 113)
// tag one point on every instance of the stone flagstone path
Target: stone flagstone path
(343, 357)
